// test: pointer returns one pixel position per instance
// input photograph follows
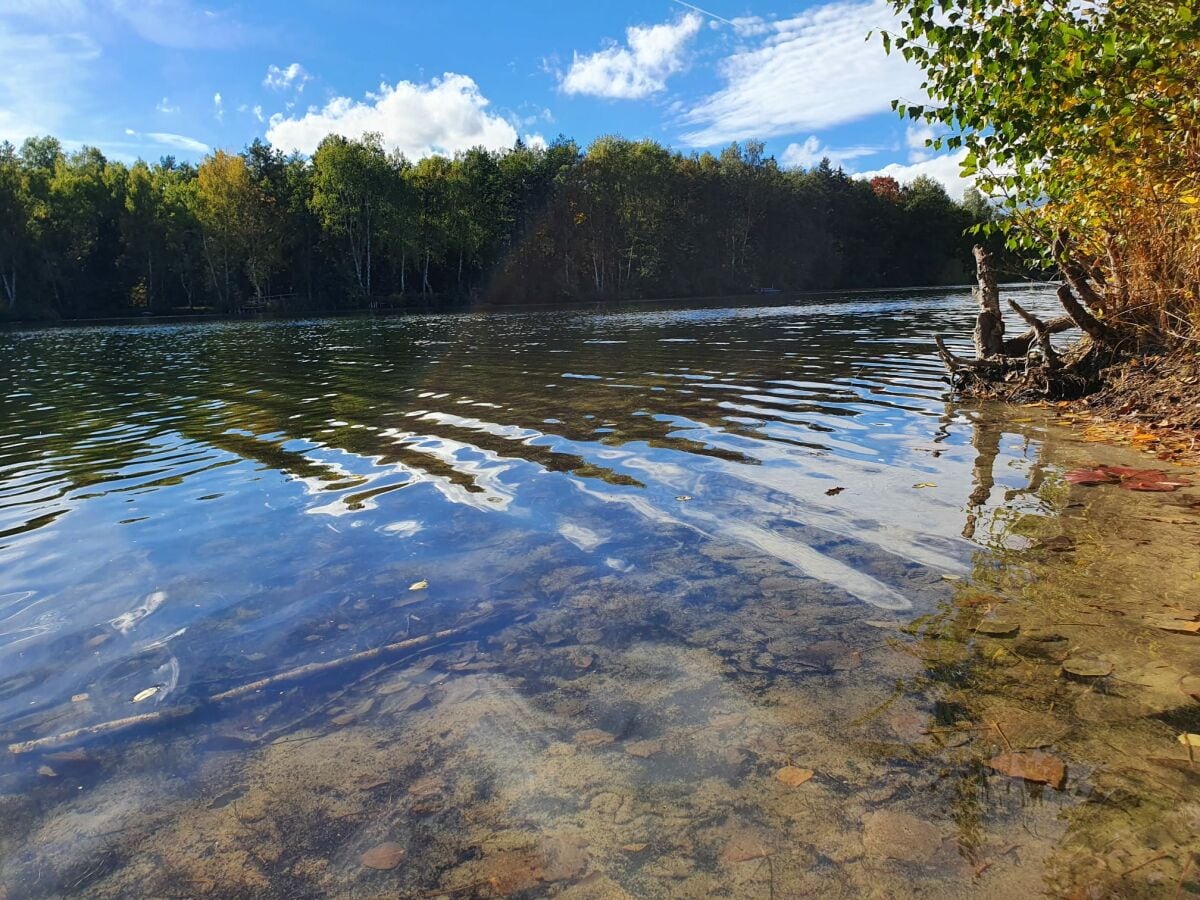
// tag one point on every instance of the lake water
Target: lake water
(676, 601)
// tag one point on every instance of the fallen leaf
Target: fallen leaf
(793, 776)
(903, 837)
(78, 698)
(1182, 626)
(1092, 477)
(744, 847)
(385, 856)
(418, 585)
(833, 492)
(47, 772)
(683, 498)
(1035, 766)
(925, 484)
(1190, 740)
(593, 737)
(563, 857)
(634, 848)
(145, 695)
(997, 629)
(1079, 667)
(644, 749)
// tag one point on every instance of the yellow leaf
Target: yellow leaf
(145, 695)
(418, 585)
(793, 776)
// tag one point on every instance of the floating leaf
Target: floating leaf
(1035, 766)
(683, 498)
(145, 695)
(47, 772)
(418, 585)
(385, 856)
(793, 776)
(833, 492)
(78, 698)
(925, 484)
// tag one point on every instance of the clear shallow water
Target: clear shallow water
(658, 598)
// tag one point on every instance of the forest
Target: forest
(357, 227)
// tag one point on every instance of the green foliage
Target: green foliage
(356, 226)
(1083, 118)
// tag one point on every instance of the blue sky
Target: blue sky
(151, 77)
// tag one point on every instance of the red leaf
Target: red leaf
(1044, 768)
(1137, 484)
(1088, 477)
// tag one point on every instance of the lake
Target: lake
(667, 600)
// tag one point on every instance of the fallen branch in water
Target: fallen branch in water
(245, 690)
(66, 737)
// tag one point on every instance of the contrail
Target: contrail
(703, 12)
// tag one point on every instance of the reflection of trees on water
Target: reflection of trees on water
(1121, 828)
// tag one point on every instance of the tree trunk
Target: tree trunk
(10, 289)
(989, 326)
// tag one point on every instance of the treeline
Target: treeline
(356, 227)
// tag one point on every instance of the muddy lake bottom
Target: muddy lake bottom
(728, 600)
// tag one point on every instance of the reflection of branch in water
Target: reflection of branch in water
(985, 438)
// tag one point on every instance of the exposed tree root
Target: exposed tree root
(1029, 367)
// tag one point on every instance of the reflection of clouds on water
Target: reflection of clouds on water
(583, 538)
(404, 529)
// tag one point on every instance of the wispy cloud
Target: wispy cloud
(41, 79)
(218, 107)
(289, 77)
(806, 73)
(165, 106)
(652, 54)
(441, 116)
(180, 24)
(167, 139)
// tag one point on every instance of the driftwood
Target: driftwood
(245, 690)
(1042, 330)
(1029, 366)
(989, 326)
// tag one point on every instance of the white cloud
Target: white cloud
(258, 113)
(945, 168)
(164, 106)
(916, 137)
(292, 76)
(442, 116)
(654, 53)
(218, 106)
(806, 73)
(812, 151)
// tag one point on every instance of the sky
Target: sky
(147, 78)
